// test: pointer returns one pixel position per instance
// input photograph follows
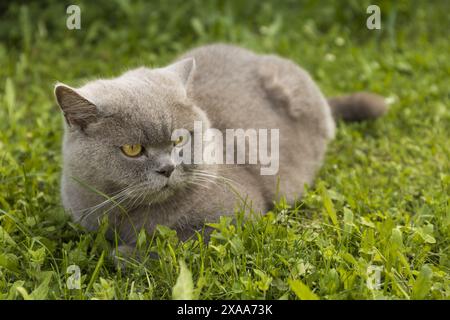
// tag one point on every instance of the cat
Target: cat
(117, 144)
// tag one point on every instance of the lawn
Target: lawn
(375, 225)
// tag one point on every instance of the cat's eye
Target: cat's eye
(179, 141)
(132, 150)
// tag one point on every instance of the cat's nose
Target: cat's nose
(166, 170)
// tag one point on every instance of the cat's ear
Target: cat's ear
(78, 111)
(184, 69)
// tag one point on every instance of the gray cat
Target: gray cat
(117, 145)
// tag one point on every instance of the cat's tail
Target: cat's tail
(358, 106)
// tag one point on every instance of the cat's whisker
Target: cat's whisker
(118, 203)
(114, 196)
(116, 200)
(216, 178)
(115, 203)
(197, 184)
(210, 174)
(207, 181)
(140, 198)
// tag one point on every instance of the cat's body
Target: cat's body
(226, 88)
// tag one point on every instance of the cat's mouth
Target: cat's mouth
(155, 191)
(159, 194)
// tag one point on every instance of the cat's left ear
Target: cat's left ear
(78, 111)
(184, 69)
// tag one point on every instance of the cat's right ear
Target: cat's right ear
(78, 111)
(184, 69)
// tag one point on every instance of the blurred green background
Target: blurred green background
(124, 32)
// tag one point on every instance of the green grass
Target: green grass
(381, 199)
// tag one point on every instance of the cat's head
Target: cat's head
(119, 131)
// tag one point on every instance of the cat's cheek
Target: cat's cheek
(177, 178)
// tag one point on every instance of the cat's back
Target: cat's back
(215, 61)
(241, 89)
(236, 87)
(225, 84)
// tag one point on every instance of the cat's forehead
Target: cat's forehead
(132, 89)
(138, 108)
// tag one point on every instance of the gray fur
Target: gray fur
(224, 87)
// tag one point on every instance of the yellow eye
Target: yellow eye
(132, 150)
(179, 141)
